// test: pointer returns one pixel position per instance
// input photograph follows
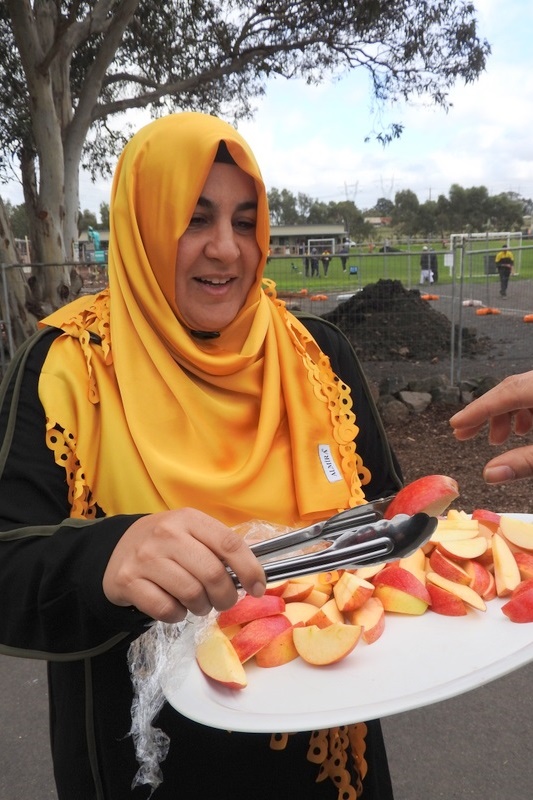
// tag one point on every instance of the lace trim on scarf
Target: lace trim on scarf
(331, 390)
(63, 446)
(92, 320)
(340, 753)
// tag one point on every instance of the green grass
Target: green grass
(289, 274)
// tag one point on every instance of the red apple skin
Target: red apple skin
(279, 651)
(402, 579)
(445, 566)
(489, 518)
(480, 578)
(257, 634)
(248, 608)
(520, 607)
(446, 603)
(431, 494)
(525, 564)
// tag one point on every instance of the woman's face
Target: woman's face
(218, 254)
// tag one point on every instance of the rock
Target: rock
(484, 384)
(416, 401)
(393, 412)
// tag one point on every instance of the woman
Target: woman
(140, 426)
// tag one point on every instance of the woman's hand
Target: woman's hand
(508, 408)
(174, 561)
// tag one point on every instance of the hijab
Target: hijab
(144, 416)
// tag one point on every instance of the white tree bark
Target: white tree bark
(59, 129)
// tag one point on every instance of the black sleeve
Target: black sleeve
(372, 443)
(51, 567)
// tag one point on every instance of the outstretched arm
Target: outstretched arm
(508, 408)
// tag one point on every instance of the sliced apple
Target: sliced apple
(218, 660)
(520, 607)
(322, 646)
(463, 549)
(317, 598)
(277, 587)
(280, 650)
(415, 563)
(400, 591)
(368, 572)
(431, 494)
(445, 603)
(518, 532)
(371, 618)
(326, 615)
(299, 612)
(296, 592)
(257, 634)
(465, 593)
(488, 521)
(447, 531)
(506, 571)
(525, 564)
(442, 565)
(351, 591)
(248, 608)
(480, 579)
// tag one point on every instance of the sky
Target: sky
(311, 139)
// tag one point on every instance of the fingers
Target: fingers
(515, 464)
(168, 563)
(507, 408)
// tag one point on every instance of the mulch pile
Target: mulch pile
(387, 322)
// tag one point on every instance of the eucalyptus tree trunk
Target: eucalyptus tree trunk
(18, 319)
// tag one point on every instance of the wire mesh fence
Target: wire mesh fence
(389, 309)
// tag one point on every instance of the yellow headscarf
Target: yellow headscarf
(252, 425)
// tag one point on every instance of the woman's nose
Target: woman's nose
(222, 244)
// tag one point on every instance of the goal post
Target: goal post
(320, 246)
(479, 251)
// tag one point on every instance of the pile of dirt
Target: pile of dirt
(385, 321)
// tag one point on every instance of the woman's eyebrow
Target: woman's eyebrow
(246, 205)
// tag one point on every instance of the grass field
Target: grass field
(289, 273)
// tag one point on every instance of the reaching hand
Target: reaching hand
(174, 561)
(508, 408)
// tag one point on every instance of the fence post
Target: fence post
(7, 321)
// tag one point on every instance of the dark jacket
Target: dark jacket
(54, 608)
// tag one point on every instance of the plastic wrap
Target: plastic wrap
(162, 648)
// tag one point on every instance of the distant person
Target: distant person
(425, 266)
(314, 262)
(505, 265)
(326, 258)
(344, 253)
(434, 264)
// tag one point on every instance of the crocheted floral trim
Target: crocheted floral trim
(63, 446)
(92, 320)
(331, 390)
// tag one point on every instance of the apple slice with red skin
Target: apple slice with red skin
(322, 646)
(463, 549)
(431, 494)
(445, 603)
(371, 618)
(257, 634)
(506, 571)
(480, 579)
(442, 565)
(401, 591)
(465, 593)
(525, 564)
(517, 532)
(351, 591)
(218, 660)
(248, 608)
(280, 650)
(520, 607)
(326, 615)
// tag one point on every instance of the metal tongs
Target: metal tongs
(357, 537)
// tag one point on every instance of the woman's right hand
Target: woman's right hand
(171, 562)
